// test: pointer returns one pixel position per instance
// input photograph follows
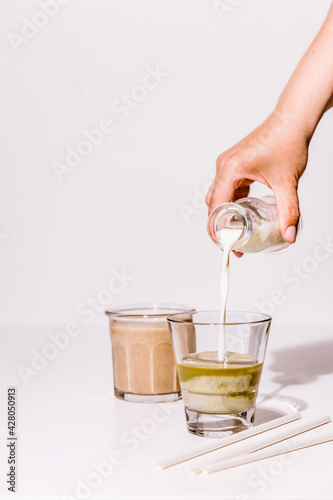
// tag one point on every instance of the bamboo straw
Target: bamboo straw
(272, 424)
(264, 442)
(279, 449)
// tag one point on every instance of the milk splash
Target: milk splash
(228, 237)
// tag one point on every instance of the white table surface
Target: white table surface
(69, 420)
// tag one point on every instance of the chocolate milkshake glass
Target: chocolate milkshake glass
(144, 368)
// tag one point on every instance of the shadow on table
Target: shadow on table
(302, 364)
(295, 365)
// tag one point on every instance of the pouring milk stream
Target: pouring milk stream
(228, 238)
(248, 225)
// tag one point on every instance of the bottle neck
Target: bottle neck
(230, 216)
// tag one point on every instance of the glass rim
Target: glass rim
(146, 310)
(265, 318)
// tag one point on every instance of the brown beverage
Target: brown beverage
(143, 361)
(144, 367)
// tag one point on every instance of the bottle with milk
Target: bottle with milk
(253, 221)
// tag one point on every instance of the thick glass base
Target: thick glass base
(217, 425)
(147, 398)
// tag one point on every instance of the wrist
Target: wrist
(297, 123)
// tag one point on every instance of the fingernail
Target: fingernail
(291, 234)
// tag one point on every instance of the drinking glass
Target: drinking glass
(219, 389)
(144, 368)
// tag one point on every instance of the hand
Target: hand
(274, 154)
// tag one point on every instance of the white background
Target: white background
(120, 210)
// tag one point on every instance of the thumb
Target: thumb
(288, 209)
(222, 191)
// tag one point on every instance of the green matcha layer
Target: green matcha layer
(210, 386)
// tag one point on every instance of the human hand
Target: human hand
(274, 154)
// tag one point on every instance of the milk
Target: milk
(267, 235)
(228, 237)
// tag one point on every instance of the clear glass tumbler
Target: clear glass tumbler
(219, 393)
(144, 368)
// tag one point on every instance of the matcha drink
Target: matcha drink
(211, 386)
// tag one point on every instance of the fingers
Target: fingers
(230, 183)
(240, 192)
(222, 192)
(209, 194)
(288, 208)
(238, 254)
(223, 187)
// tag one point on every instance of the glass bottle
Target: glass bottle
(258, 219)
